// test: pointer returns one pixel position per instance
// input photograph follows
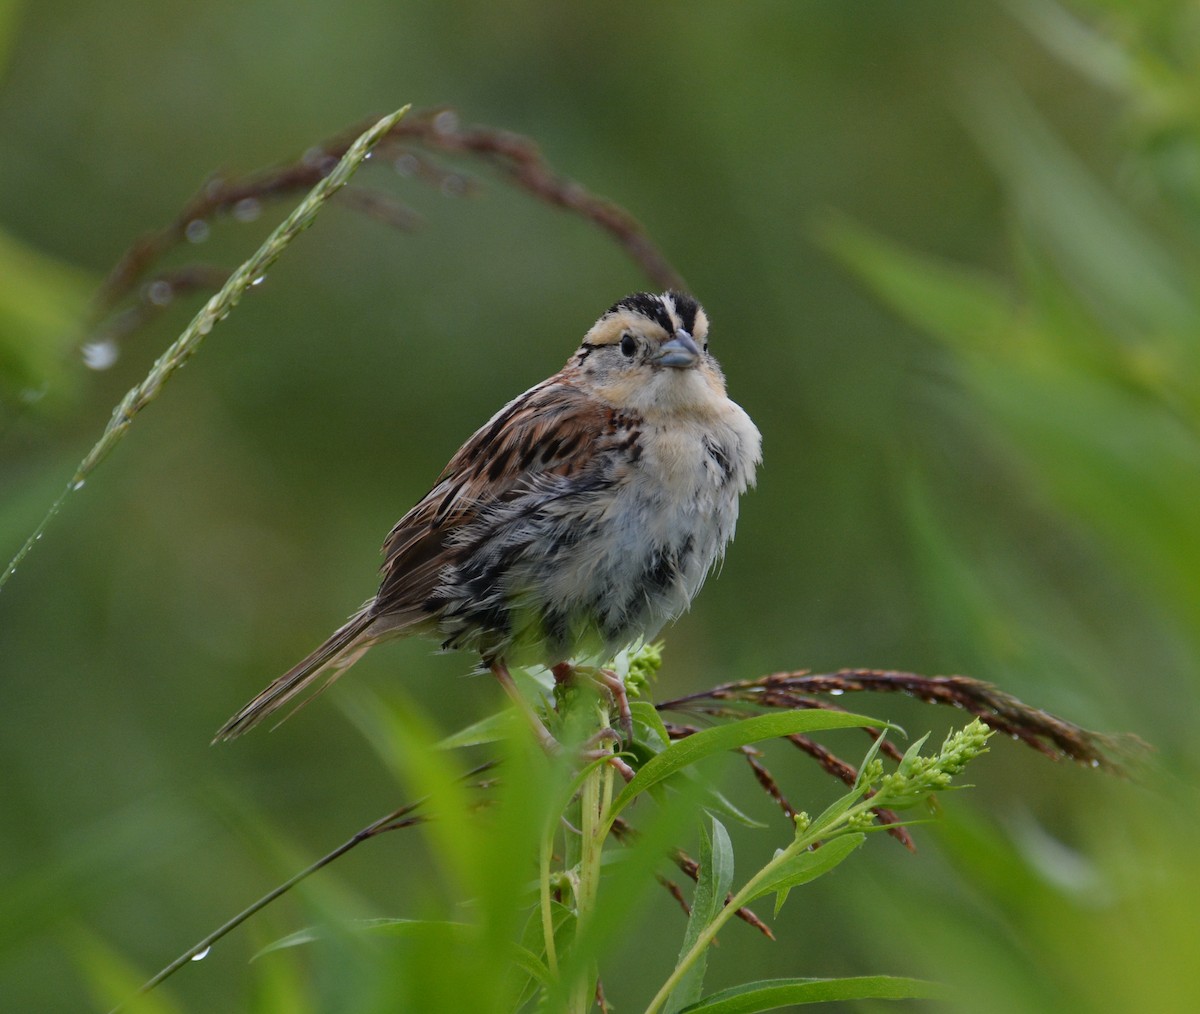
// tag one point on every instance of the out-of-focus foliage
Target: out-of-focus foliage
(1086, 364)
(41, 299)
(41, 303)
(981, 456)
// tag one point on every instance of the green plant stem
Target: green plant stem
(595, 797)
(748, 892)
(547, 911)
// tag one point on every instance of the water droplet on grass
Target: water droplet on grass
(160, 293)
(247, 209)
(197, 230)
(201, 955)
(100, 355)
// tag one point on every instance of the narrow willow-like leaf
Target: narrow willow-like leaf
(533, 943)
(486, 730)
(108, 975)
(403, 739)
(716, 878)
(806, 866)
(720, 803)
(771, 994)
(626, 886)
(957, 304)
(1129, 274)
(866, 761)
(385, 926)
(686, 752)
(648, 715)
(840, 806)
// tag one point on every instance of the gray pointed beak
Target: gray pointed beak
(680, 352)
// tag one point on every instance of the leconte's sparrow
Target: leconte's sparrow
(580, 518)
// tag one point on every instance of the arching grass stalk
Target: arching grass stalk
(215, 310)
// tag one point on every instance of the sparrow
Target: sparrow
(578, 520)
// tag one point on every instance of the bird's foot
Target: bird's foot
(596, 748)
(606, 681)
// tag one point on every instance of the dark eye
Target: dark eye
(628, 346)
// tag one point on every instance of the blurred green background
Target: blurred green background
(949, 252)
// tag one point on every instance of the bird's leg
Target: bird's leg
(593, 748)
(547, 741)
(616, 686)
(608, 681)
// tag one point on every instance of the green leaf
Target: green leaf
(112, 979)
(714, 800)
(956, 304)
(533, 944)
(771, 994)
(1129, 275)
(10, 14)
(531, 964)
(486, 730)
(626, 887)
(646, 714)
(42, 302)
(384, 927)
(406, 742)
(300, 938)
(808, 865)
(283, 986)
(839, 806)
(866, 761)
(686, 752)
(712, 887)
(911, 754)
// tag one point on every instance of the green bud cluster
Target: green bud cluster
(963, 746)
(918, 776)
(643, 667)
(863, 820)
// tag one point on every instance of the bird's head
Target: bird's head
(650, 353)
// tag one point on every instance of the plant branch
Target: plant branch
(405, 816)
(915, 779)
(515, 156)
(1046, 733)
(394, 821)
(622, 831)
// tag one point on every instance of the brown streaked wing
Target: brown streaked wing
(551, 429)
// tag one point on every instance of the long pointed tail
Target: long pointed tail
(343, 648)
